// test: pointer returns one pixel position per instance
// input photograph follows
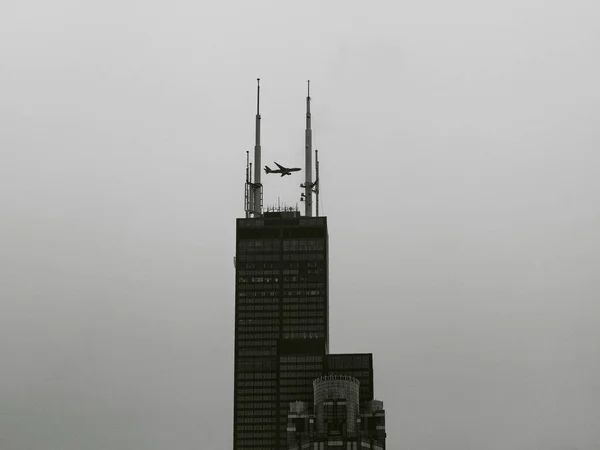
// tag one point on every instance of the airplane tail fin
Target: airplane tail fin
(267, 169)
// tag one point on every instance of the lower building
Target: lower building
(337, 419)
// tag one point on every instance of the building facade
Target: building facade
(282, 317)
(336, 419)
(281, 322)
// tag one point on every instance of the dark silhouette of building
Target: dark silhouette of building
(281, 324)
(282, 314)
(336, 418)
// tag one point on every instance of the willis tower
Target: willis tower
(282, 311)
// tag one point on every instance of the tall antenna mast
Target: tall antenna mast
(308, 159)
(248, 191)
(257, 186)
(316, 185)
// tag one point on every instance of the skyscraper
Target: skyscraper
(282, 312)
(281, 326)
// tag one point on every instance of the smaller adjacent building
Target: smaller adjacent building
(337, 419)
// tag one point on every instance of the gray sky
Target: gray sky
(459, 155)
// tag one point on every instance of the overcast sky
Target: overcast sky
(459, 155)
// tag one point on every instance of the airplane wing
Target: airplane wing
(280, 166)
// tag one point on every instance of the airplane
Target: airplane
(282, 170)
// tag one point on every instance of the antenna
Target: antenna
(247, 192)
(316, 184)
(308, 159)
(257, 186)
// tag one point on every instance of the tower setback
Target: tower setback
(282, 325)
(281, 322)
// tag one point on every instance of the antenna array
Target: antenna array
(253, 193)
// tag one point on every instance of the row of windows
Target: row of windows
(313, 374)
(303, 320)
(317, 313)
(313, 310)
(275, 268)
(303, 244)
(307, 331)
(260, 272)
(311, 358)
(254, 276)
(257, 301)
(304, 385)
(289, 325)
(258, 307)
(255, 383)
(304, 221)
(252, 364)
(275, 293)
(257, 428)
(258, 279)
(259, 415)
(248, 299)
(255, 390)
(271, 290)
(262, 420)
(251, 329)
(303, 287)
(257, 352)
(361, 374)
(349, 361)
(271, 322)
(288, 265)
(296, 389)
(262, 434)
(259, 444)
(274, 257)
(257, 259)
(290, 310)
(261, 293)
(303, 300)
(255, 376)
(272, 253)
(247, 336)
(256, 343)
(299, 278)
(299, 382)
(309, 292)
(303, 257)
(248, 243)
(248, 314)
(275, 250)
(257, 405)
(288, 398)
(252, 266)
(252, 342)
(310, 269)
(288, 244)
(255, 398)
(305, 366)
(298, 306)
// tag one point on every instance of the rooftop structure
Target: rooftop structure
(282, 319)
(336, 419)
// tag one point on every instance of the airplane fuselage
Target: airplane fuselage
(282, 170)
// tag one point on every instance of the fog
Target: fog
(459, 174)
